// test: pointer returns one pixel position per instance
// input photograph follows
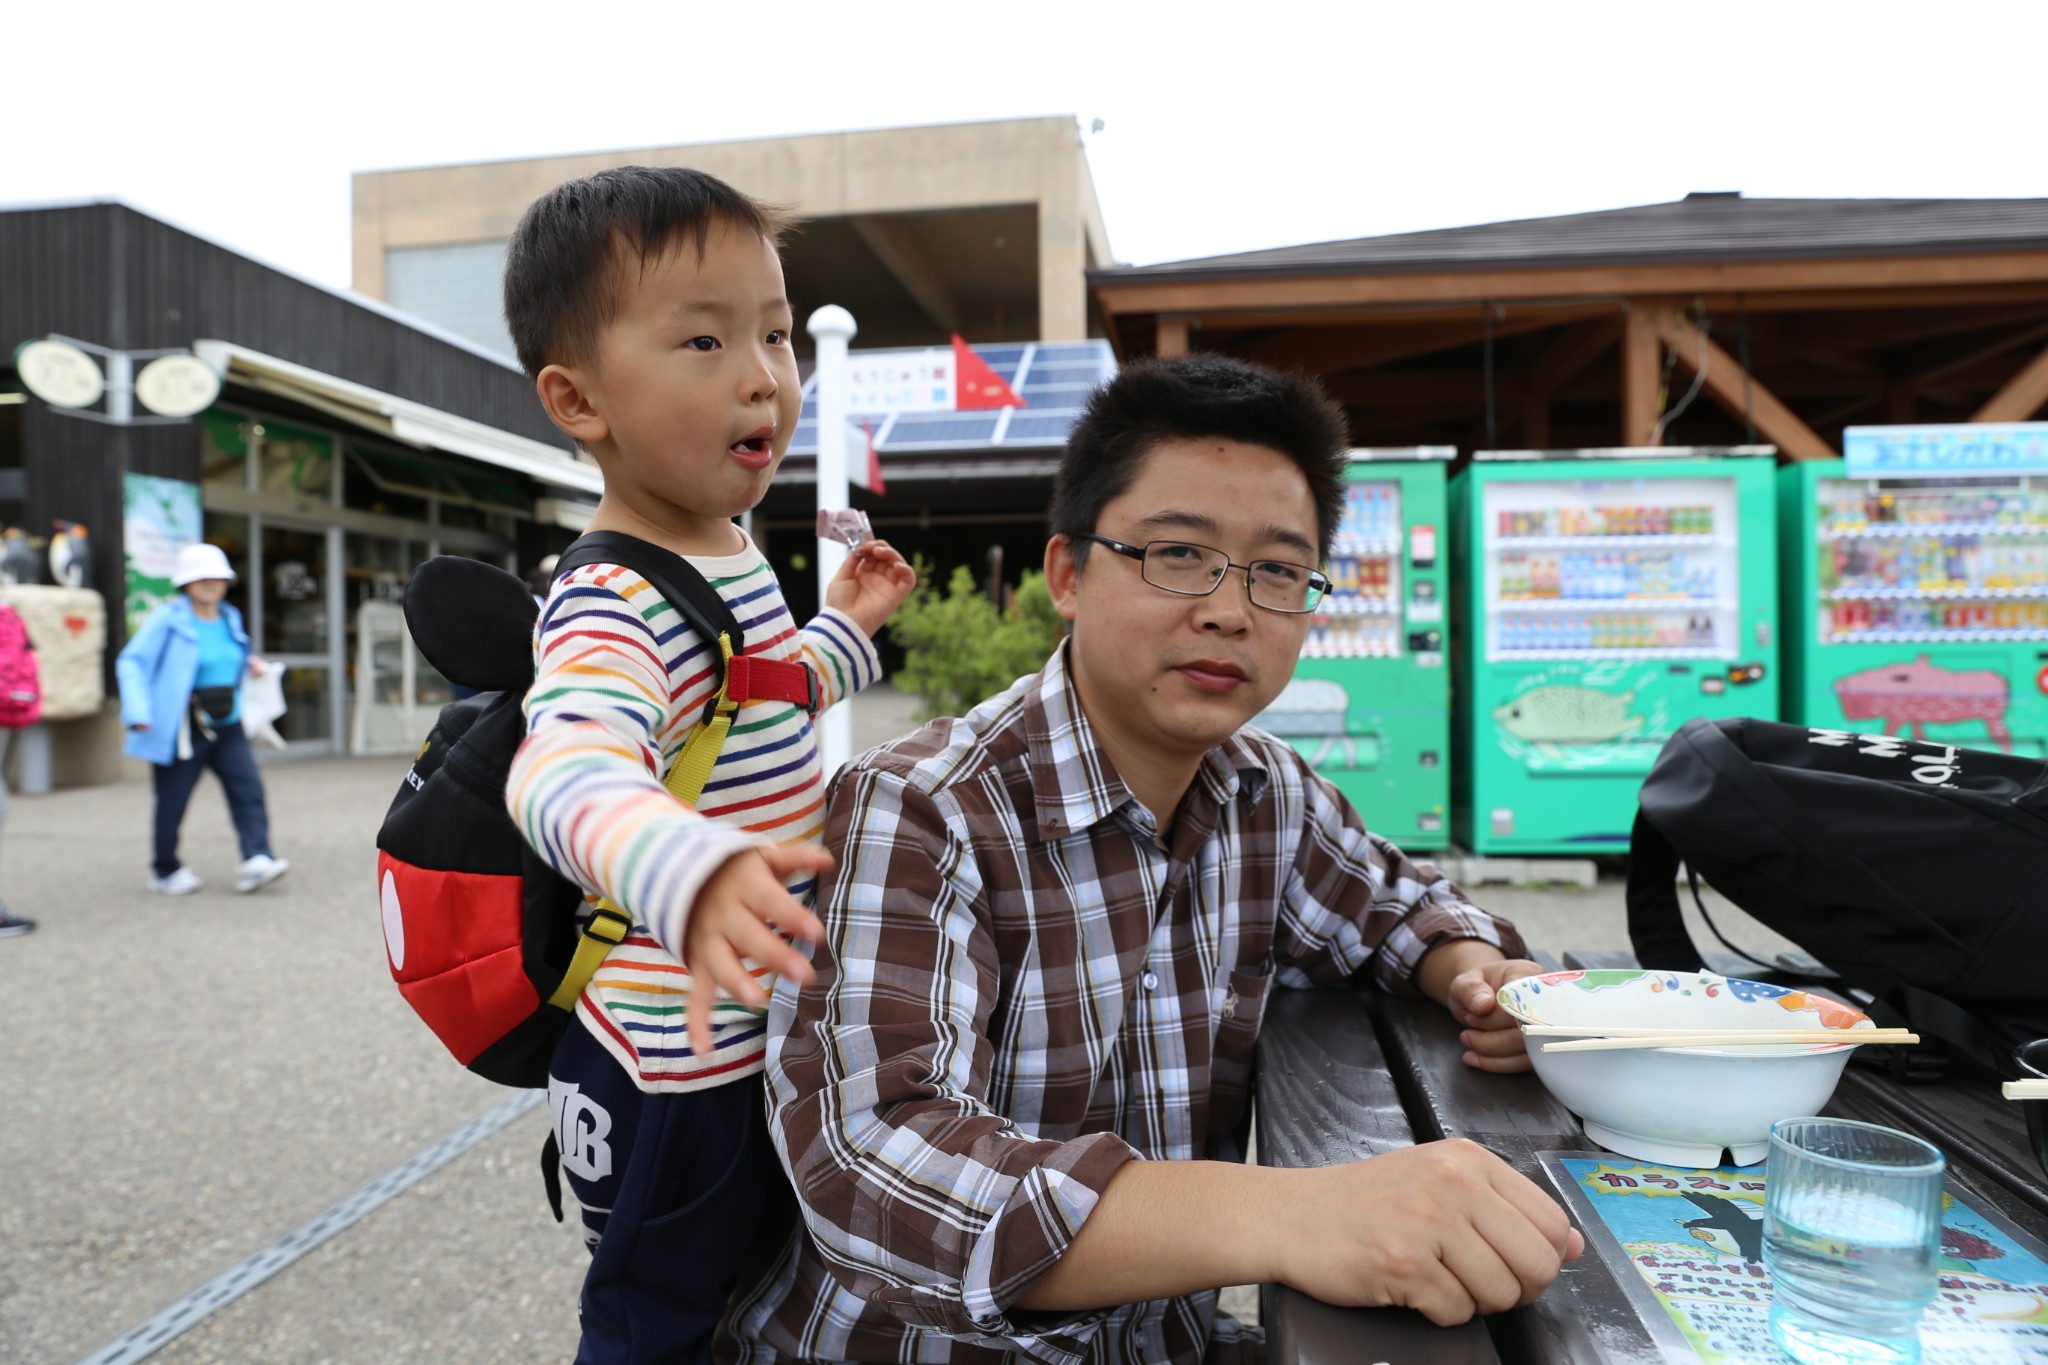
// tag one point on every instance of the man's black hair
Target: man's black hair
(566, 260)
(1198, 397)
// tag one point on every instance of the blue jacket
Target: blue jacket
(156, 673)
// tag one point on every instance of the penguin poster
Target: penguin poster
(159, 518)
(1695, 1242)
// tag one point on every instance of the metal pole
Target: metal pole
(832, 327)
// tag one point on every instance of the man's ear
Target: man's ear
(1063, 576)
(568, 403)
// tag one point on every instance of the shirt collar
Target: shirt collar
(1075, 786)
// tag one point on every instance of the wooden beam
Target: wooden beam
(1641, 328)
(1332, 350)
(1173, 336)
(1723, 382)
(1802, 338)
(1423, 388)
(896, 246)
(2022, 395)
(1957, 366)
(1338, 288)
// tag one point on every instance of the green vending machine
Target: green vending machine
(1369, 705)
(1917, 585)
(1605, 598)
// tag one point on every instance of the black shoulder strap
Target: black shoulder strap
(671, 574)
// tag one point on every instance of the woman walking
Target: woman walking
(181, 700)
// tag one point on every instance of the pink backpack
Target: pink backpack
(21, 685)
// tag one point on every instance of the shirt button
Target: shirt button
(1150, 981)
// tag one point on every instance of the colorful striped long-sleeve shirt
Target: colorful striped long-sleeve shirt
(621, 680)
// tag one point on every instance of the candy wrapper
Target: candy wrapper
(846, 524)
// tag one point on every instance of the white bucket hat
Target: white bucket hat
(201, 561)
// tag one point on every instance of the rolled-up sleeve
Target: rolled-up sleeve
(925, 1202)
(1354, 901)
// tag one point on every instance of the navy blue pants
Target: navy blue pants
(675, 1190)
(227, 753)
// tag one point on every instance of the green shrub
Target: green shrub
(959, 649)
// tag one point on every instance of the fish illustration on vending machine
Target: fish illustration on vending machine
(1567, 714)
(1922, 693)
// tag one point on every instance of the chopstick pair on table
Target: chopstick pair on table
(1617, 1039)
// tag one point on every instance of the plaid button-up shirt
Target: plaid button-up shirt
(1025, 984)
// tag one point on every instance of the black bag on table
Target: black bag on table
(1917, 871)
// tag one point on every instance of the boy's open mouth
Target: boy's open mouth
(756, 448)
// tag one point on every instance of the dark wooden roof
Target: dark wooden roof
(1699, 228)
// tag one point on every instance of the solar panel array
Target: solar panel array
(1054, 378)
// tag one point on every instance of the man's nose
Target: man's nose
(1228, 609)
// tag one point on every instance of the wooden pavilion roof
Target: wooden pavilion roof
(1585, 329)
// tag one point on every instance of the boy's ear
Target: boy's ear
(1063, 576)
(568, 403)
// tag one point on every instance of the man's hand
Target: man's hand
(871, 584)
(737, 915)
(1491, 1037)
(1448, 1229)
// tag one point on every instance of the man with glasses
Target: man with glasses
(1011, 1104)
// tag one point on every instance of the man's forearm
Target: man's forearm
(1166, 1228)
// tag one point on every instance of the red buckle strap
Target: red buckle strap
(753, 678)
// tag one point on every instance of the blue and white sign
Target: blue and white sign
(1962, 448)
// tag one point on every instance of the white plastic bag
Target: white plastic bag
(262, 704)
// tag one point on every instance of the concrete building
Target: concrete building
(984, 229)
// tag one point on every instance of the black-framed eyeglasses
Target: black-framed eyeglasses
(1191, 570)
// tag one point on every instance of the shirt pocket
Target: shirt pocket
(1237, 1037)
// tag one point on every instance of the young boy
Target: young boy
(648, 305)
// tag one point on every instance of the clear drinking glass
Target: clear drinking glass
(1852, 1233)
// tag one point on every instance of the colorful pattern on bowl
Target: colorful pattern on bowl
(1616, 997)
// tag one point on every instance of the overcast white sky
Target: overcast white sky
(1229, 127)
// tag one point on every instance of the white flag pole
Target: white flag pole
(832, 327)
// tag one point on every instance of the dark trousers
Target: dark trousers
(228, 754)
(674, 1189)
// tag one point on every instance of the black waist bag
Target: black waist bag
(1917, 871)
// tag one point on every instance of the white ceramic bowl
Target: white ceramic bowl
(1681, 1106)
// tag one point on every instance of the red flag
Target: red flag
(977, 385)
(873, 483)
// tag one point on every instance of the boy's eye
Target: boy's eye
(778, 337)
(702, 343)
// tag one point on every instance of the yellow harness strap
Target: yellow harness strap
(609, 925)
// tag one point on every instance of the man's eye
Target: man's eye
(1179, 554)
(702, 343)
(1279, 572)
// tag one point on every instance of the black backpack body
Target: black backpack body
(1917, 871)
(480, 932)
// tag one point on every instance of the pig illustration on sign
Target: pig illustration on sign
(1922, 693)
(1564, 714)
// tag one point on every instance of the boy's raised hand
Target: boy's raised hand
(871, 584)
(738, 915)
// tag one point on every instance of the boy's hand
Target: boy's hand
(737, 914)
(871, 584)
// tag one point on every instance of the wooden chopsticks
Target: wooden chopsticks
(1618, 1039)
(2025, 1090)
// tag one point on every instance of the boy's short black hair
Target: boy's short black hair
(1195, 397)
(563, 266)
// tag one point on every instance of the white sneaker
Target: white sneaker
(260, 871)
(183, 882)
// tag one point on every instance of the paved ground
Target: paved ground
(187, 1080)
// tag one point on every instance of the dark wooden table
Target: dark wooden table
(1343, 1076)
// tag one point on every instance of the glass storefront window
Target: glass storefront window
(305, 718)
(230, 531)
(294, 591)
(224, 448)
(378, 481)
(295, 460)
